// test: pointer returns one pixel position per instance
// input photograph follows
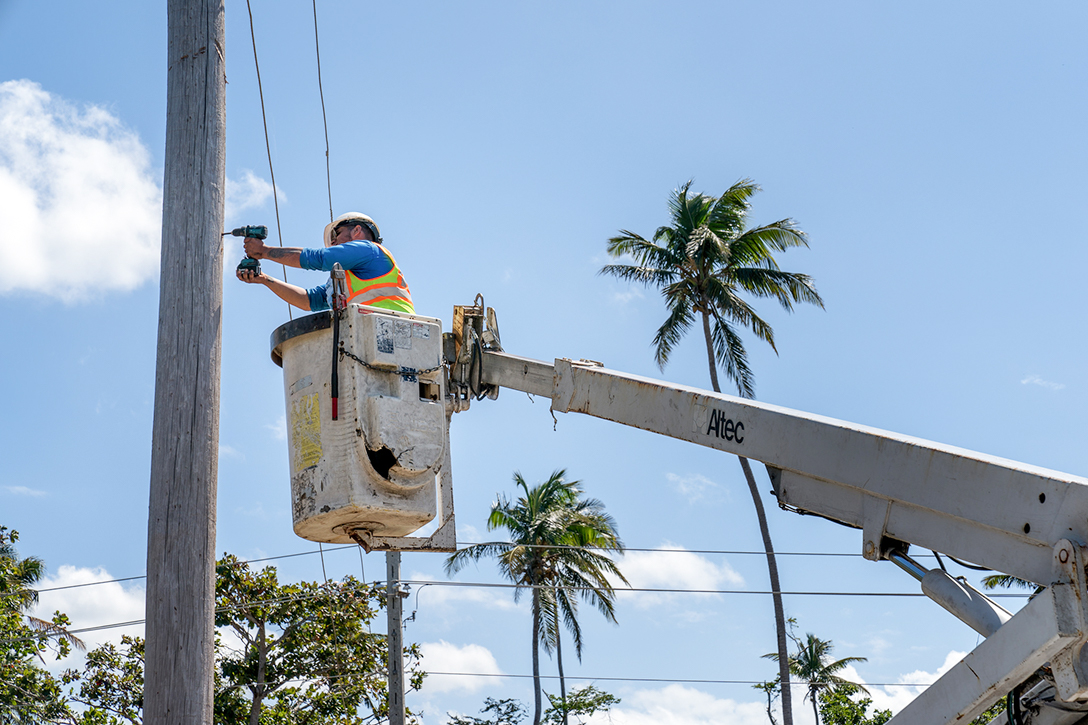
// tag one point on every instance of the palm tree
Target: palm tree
(17, 579)
(703, 262)
(553, 553)
(813, 664)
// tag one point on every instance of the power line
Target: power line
(699, 681)
(267, 145)
(664, 590)
(324, 119)
(722, 552)
(663, 679)
(499, 585)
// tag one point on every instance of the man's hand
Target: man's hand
(250, 277)
(255, 248)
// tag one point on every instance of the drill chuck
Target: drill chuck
(257, 232)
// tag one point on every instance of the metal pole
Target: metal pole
(179, 663)
(394, 638)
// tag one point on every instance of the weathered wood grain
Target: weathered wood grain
(185, 438)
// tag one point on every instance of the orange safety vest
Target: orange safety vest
(388, 291)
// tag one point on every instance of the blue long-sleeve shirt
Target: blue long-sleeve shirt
(364, 259)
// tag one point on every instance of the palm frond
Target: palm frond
(726, 304)
(642, 275)
(786, 287)
(52, 629)
(778, 236)
(672, 330)
(730, 211)
(730, 354)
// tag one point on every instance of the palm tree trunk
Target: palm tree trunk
(536, 656)
(765, 532)
(710, 354)
(776, 594)
(562, 679)
(815, 711)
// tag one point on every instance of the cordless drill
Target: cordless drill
(249, 264)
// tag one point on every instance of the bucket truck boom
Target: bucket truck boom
(1014, 518)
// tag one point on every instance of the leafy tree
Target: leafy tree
(28, 693)
(813, 664)
(111, 685)
(704, 261)
(503, 712)
(582, 703)
(838, 707)
(772, 689)
(553, 534)
(992, 711)
(285, 653)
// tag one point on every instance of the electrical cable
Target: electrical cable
(499, 585)
(663, 590)
(664, 679)
(965, 565)
(940, 562)
(324, 119)
(268, 146)
(723, 552)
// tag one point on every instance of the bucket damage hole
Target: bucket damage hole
(382, 460)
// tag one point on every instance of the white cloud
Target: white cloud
(1033, 379)
(896, 698)
(468, 533)
(77, 193)
(671, 567)
(228, 451)
(251, 192)
(24, 491)
(279, 428)
(681, 705)
(632, 293)
(90, 606)
(441, 656)
(694, 487)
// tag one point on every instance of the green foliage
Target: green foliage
(703, 261)
(111, 684)
(991, 712)
(772, 689)
(812, 663)
(580, 703)
(552, 552)
(28, 693)
(501, 712)
(297, 653)
(304, 653)
(838, 707)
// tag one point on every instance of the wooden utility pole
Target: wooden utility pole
(179, 661)
(394, 638)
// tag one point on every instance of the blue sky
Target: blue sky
(935, 154)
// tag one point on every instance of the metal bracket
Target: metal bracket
(1070, 666)
(1051, 628)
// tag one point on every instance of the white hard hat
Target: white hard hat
(352, 216)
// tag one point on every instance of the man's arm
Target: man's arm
(257, 249)
(287, 292)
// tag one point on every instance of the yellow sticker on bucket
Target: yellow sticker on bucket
(305, 433)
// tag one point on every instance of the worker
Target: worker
(353, 240)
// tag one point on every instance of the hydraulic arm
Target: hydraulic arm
(1011, 517)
